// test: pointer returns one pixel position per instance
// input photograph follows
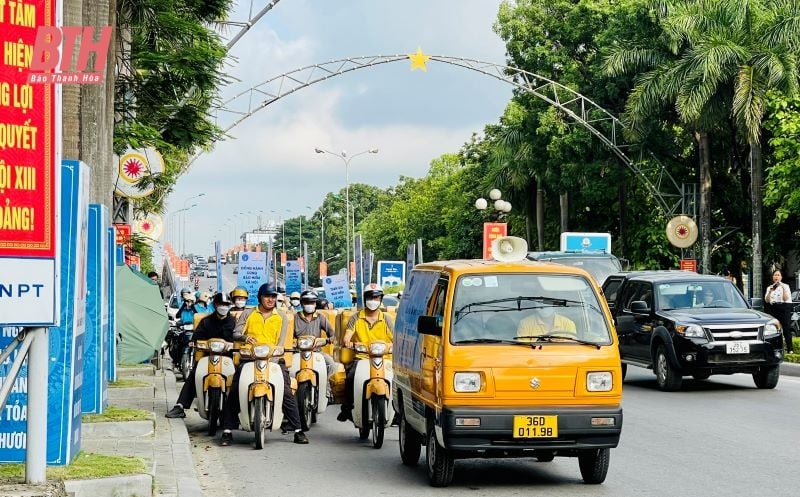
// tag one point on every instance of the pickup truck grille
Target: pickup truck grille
(727, 333)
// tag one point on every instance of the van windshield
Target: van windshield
(527, 308)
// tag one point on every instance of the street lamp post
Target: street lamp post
(346, 159)
(183, 220)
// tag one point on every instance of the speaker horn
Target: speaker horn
(509, 249)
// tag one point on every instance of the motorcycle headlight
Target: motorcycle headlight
(772, 328)
(360, 347)
(217, 347)
(599, 381)
(378, 348)
(305, 343)
(690, 330)
(201, 345)
(261, 351)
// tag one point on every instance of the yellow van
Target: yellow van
(505, 358)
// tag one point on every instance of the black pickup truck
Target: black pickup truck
(679, 323)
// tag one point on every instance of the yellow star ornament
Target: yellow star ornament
(418, 60)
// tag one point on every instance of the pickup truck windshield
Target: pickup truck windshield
(694, 294)
(497, 308)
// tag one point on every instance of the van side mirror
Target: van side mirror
(429, 325)
(756, 303)
(639, 307)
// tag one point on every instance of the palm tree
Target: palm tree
(721, 55)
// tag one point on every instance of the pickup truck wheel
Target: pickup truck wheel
(767, 377)
(594, 465)
(668, 379)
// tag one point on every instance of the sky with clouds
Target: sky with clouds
(269, 164)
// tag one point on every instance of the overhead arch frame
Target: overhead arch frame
(598, 121)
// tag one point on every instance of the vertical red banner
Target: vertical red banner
(29, 151)
(490, 232)
(323, 269)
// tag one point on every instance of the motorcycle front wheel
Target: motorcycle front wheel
(213, 406)
(378, 404)
(305, 405)
(186, 365)
(260, 421)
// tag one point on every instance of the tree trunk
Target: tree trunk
(563, 202)
(705, 201)
(756, 197)
(540, 215)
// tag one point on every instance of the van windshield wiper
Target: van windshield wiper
(551, 337)
(492, 340)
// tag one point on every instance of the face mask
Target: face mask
(223, 311)
(373, 304)
(309, 308)
(240, 303)
(295, 302)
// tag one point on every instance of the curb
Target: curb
(790, 369)
(127, 393)
(188, 484)
(116, 486)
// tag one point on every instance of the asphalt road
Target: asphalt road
(719, 437)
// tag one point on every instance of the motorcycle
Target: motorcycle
(187, 354)
(372, 409)
(309, 369)
(260, 390)
(213, 379)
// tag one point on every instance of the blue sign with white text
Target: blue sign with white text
(95, 375)
(391, 273)
(586, 242)
(293, 276)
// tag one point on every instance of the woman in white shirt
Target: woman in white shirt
(779, 297)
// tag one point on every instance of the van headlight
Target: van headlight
(690, 330)
(599, 381)
(772, 328)
(467, 382)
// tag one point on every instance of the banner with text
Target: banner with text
(95, 372)
(337, 291)
(30, 149)
(252, 273)
(293, 276)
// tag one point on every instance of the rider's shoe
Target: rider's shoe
(227, 438)
(345, 415)
(300, 438)
(176, 412)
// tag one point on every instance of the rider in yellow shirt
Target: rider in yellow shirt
(263, 324)
(367, 325)
(545, 322)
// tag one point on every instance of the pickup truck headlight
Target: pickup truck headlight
(467, 382)
(690, 331)
(599, 381)
(772, 328)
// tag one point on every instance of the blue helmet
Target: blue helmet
(267, 289)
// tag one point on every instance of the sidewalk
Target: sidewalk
(164, 444)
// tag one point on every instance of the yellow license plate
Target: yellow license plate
(535, 426)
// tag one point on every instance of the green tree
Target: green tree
(724, 56)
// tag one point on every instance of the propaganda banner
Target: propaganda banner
(490, 232)
(30, 162)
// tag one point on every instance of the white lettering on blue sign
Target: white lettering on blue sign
(13, 440)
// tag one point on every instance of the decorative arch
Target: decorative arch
(598, 121)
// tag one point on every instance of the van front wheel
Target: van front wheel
(440, 462)
(594, 465)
